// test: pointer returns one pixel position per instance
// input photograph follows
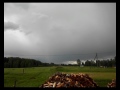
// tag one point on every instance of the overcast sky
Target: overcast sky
(60, 32)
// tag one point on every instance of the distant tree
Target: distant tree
(92, 63)
(83, 64)
(69, 64)
(52, 64)
(6, 65)
(10, 62)
(22, 64)
(98, 63)
(78, 62)
(87, 63)
(62, 64)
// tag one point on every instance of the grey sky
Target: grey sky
(60, 29)
(10, 25)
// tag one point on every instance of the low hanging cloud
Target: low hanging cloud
(10, 25)
(48, 30)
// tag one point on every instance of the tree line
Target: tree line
(16, 62)
(104, 63)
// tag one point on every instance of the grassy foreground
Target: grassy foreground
(35, 76)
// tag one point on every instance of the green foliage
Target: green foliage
(104, 63)
(79, 62)
(16, 62)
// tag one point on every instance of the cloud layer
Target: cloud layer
(10, 25)
(60, 29)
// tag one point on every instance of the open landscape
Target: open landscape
(36, 76)
(60, 45)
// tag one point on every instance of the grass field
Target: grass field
(35, 76)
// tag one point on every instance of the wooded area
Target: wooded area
(16, 62)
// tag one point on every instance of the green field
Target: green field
(35, 76)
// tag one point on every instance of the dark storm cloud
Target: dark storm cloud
(10, 25)
(58, 32)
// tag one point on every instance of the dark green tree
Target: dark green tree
(78, 62)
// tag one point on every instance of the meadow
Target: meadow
(35, 76)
